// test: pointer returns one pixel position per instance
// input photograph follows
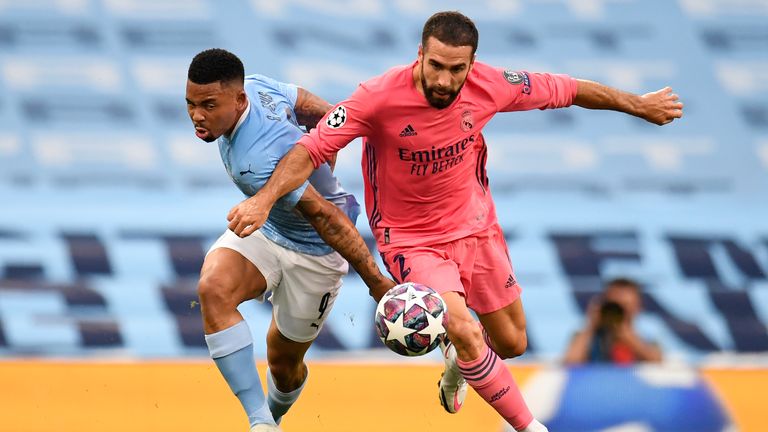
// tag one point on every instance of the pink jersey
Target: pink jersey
(424, 168)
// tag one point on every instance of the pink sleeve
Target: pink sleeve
(346, 121)
(521, 91)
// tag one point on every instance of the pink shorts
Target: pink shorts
(476, 266)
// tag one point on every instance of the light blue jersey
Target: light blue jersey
(268, 131)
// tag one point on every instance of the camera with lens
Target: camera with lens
(611, 316)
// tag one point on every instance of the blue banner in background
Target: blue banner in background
(592, 399)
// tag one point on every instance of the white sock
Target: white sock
(280, 402)
(535, 426)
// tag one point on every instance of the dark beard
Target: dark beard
(430, 95)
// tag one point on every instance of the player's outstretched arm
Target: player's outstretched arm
(335, 228)
(659, 107)
(291, 172)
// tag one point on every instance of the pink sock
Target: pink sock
(492, 381)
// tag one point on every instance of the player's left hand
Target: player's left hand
(248, 216)
(661, 107)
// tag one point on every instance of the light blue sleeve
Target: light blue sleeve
(290, 91)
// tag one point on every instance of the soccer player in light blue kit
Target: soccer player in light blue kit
(256, 120)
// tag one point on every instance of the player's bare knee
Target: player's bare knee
(217, 290)
(465, 336)
(513, 346)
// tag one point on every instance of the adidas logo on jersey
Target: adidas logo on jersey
(408, 131)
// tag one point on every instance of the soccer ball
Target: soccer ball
(410, 319)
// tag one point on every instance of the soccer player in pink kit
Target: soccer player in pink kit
(427, 193)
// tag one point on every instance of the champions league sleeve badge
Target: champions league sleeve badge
(337, 117)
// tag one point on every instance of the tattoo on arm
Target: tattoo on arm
(335, 228)
(310, 108)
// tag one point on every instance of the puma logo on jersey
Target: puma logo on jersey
(242, 173)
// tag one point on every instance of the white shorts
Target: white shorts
(302, 288)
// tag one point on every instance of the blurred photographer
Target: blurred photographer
(609, 335)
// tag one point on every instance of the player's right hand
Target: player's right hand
(248, 216)
(661, 107)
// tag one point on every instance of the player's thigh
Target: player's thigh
(427, 266)
(493, 282)
(506, 329)
(240, 268)
(306, 293)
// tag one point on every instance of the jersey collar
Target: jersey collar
(241, 120)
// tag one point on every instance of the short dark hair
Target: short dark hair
(214, 65)
(450, 28)
(624, 283)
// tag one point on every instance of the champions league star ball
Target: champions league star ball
(410, 319)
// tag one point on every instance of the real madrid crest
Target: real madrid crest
(467, 123)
